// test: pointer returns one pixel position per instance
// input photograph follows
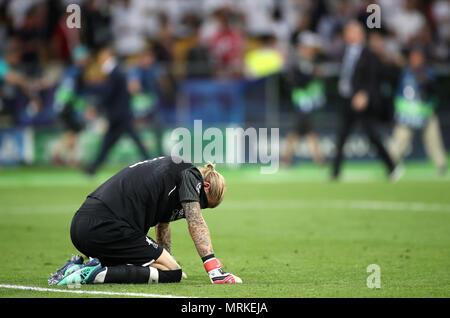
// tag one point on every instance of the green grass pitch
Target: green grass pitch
(291, 234)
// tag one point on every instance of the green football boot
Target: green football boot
(84, 275)
(73, 264)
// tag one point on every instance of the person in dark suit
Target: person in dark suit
(359, 88)
(114, 98)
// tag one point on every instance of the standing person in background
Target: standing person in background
(359, 87)
(146, 81)
(389, 68)
(226, 47)
(307, 96)
(114, 98)
(96, 19)
(198, 62)
(264, 60)
(415, 104)
(70, 104)
(11, 80)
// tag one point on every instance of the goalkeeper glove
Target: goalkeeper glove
(217, 275)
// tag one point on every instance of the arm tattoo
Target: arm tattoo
(163, 235)
(197, 228)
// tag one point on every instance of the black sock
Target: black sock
(170, 276)
(133, 274)
(127, 274)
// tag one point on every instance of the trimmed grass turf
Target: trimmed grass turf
(292, 234)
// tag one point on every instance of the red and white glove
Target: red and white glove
(217, 275)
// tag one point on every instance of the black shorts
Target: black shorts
(96, 232)
(304, 124)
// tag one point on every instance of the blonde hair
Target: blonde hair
(218, 187)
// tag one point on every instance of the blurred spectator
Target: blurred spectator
(260, 20)
(18, 11)
(11, 80)
(164, 40)
(64, 40)
(146, 82)
(408, 22)
(329, 27)
(70, 103)
(441, 14)
(308, 18)
(279, 27)
(379, 45)
(360, 91)
(415, 104)
(308, 95)
(303, 24)
(127, 28)
(264, 60)
(198, 64)
(226, 47)
(146, 78)
(29, 31)
(388, 69)
(163, 50)
(96, 21)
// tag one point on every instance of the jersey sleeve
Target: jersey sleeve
(191, 185)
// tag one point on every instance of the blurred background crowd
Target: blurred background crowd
(294, 64)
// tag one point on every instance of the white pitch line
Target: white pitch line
(81, 292)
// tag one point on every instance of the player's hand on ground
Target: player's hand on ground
(217, 275)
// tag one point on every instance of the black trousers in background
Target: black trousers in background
(367, 122)
(115, 131)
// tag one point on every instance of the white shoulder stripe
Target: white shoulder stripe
(172, 191)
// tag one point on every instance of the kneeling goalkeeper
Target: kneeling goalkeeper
(111, 225)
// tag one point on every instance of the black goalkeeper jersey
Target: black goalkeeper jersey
(151, 191)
